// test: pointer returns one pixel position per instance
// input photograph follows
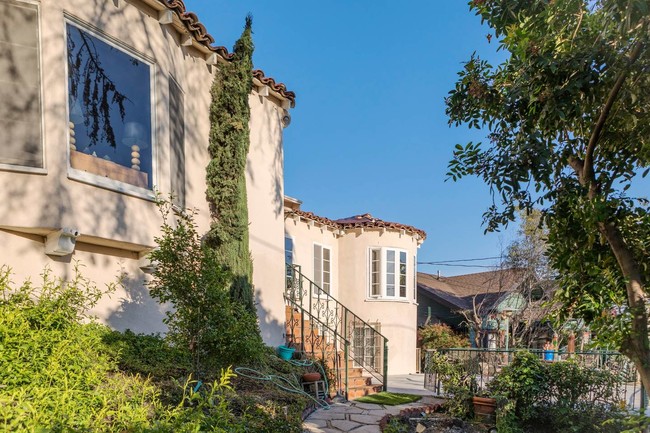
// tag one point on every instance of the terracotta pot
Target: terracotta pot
(484, 405)
(311, 377)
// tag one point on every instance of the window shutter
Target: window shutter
(318, 265)
(177, 138)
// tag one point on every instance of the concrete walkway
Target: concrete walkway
(363, 417)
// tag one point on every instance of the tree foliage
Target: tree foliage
(568, 118)
(441, 336)
(225, 173)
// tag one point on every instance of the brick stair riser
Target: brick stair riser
(354, 393)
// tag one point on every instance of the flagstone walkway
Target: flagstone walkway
(356, 417)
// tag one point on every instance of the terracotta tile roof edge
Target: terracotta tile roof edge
(277, 87)
(375, 223)
(198, 31)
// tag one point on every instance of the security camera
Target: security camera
(72, 233)
(61, 242)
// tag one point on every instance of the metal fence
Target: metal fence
(485, 364)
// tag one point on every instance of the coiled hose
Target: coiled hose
(286, 384)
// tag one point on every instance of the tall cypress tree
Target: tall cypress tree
(226, 171)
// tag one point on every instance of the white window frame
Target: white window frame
(319, 280)
(39, 53)
(100, 181)
(384, 273)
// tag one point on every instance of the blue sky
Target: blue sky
(369, 133)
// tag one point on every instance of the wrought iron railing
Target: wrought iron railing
(484, 364)
(322, 327)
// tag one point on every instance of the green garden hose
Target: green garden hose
(284, 383)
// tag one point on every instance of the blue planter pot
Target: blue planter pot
(285, 352)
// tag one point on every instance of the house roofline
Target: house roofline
(194, 33)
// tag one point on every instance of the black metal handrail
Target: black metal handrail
(332, 315)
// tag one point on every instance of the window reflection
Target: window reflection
(109, 110)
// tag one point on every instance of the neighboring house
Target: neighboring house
(482, 302)
(369, 266)
(102, 103)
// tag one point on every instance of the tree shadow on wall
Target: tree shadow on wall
(272, 331)
(137, 310)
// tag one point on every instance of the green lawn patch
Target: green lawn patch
(389, 398)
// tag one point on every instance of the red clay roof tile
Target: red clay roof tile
(201, 35)
(358, 221)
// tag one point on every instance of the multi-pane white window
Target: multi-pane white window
(288, 250)
(415, 277)
(366, 345)
(375, 272)
(322, 267)
(387, 273)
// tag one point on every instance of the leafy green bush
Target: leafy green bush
(441, 336)
(59, 373)
(458, 380)
(524, 382)
(54, 373)
(216, 330)
(564, 395)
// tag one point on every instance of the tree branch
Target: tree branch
(588, 170)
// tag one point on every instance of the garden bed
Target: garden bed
(436, 422)
(428, 419)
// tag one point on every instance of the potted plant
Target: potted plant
(484, 405)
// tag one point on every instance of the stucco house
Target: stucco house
(102, 102)
(356, 277)
(106, 102)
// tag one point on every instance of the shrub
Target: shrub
(204, 320)
(457, 377)
(441, 336)
(59, 372)
(523, 383)
(563, 395)
(54, 372)
(147, 355)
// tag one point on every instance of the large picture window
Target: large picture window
(322, 267)
(20, 86)
(109, 106)
(387, 273)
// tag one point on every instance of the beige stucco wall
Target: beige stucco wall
(116, 226)
(265, 189)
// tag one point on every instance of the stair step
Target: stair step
(357, 381)
(355, 392)
(355, 372)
